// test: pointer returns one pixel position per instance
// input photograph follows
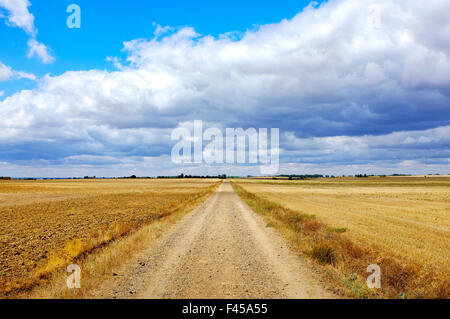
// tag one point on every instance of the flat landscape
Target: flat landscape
(248, 238)
(403, 219)
(46, 224)
(221, 250)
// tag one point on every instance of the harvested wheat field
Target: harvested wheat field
(44, 225)
(399, 223)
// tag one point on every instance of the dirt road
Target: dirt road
(221, 250)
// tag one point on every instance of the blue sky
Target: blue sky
(354, 86)
(107, 24)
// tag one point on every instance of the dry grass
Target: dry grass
(83, 221)
(401, 224)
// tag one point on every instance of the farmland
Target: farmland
(46, 224)
(341, 225)
(402, 223)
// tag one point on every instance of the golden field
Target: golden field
(44, 225)
(402, 223)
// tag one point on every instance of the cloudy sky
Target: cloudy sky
(354, 86)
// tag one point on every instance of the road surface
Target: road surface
(221, 250)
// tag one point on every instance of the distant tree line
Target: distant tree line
(295, 176)
(220, 176)
(223, 176)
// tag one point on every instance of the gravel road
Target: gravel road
(221, 250)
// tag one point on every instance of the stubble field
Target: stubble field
(344, 224)
(402, 223)
(46, 224)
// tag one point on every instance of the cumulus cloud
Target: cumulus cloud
(426, 146)
(331, 66)
(19, 15)
(348, 83)
(39, 50)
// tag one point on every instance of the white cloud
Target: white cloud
(115, 61)
(24, 75)
(422, 145)
(39, 50)
(19, 15)
(348, 78)
(160, 30)
(5, 72)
